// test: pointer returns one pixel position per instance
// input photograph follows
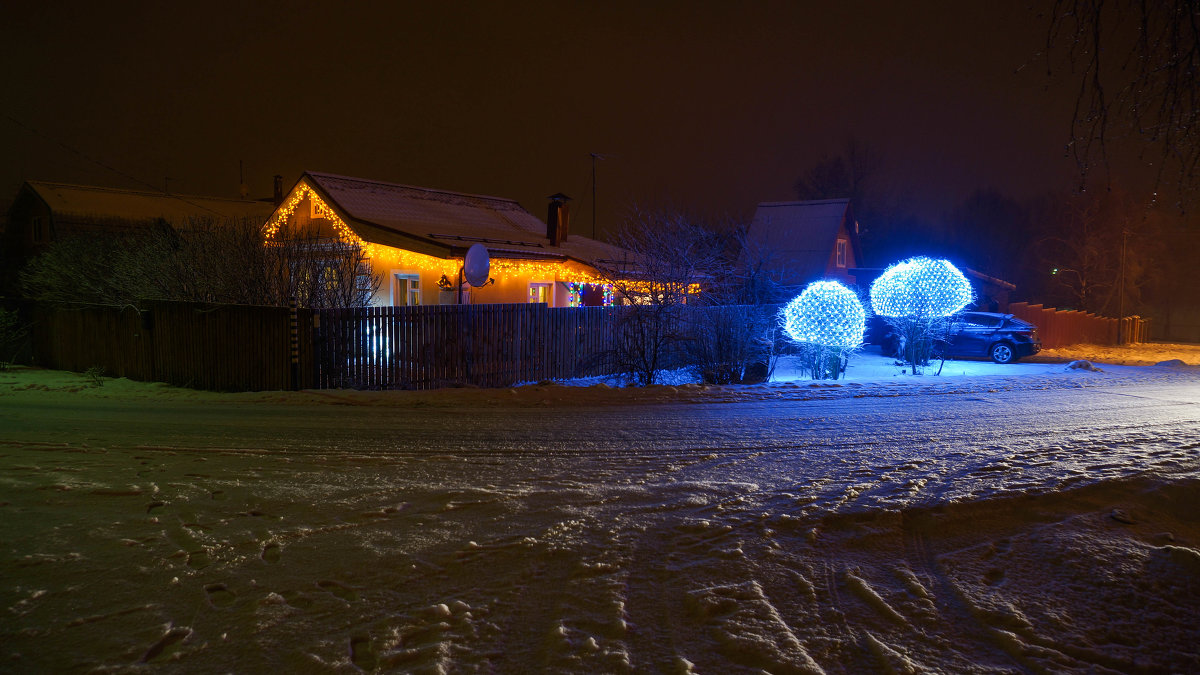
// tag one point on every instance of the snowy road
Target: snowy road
(865, 532)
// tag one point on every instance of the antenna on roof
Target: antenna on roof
(595, 156)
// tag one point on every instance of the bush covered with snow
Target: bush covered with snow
(827, 321)
(916, 297)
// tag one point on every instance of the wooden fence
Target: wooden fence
(240, 348)
(218, 347)
(1059, 328)
(439, 345)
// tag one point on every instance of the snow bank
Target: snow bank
(1037, 519)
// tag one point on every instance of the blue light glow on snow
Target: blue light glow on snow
(826, 313)
(920, 287)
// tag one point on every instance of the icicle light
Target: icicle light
(922, 288)
(826, 313)
(502, 268)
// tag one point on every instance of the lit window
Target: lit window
(406, 289)
(841, 252)
(541, 292)
(331, 279)
(303, 288)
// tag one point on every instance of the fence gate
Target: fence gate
(431, 346)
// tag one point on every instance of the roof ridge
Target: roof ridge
(124, 191)
(807, 202)
(417, 188)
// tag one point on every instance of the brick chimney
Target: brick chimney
(278, 189)
(558, 219)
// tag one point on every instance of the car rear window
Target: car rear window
(983, 321)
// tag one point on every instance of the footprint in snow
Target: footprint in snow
(338, 589)
(270, 553)
(1121, 516)
(220, 595)
(198, 560)
(362, 654)
(297, 599)
(166, 645)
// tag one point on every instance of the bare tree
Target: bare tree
(1100, 253)
(847, 175)
(13, 333)
(692, 298)
(205, 260)
(1138, 63)
(667, 257)
(319, 270)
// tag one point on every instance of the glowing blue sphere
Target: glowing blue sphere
(922, 288)
(826, 313)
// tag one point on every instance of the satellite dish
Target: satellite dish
(477, 266)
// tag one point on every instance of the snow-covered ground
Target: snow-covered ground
(1020, 518)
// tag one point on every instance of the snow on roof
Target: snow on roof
(102, 202)
(451, 218)
(798, 235)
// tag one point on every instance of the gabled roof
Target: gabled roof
(800, 235)
(87, 201)
(446, 223)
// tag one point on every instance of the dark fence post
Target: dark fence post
(294, 342)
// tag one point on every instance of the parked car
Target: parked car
(1001, 337)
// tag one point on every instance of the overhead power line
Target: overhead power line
(75, 151)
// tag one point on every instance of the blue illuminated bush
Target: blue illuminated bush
(915, 297)
(827, 320)
(920, 288)
(826, 313)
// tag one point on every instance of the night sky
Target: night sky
(710, 107)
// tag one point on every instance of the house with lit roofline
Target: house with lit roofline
(416, 240)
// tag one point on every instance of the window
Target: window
(37, 227)
(331, 278)
(541, 292)
(841, 252)
(303, 288)
(406, 289)
(982, 321)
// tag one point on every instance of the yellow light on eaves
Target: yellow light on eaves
(502, 268)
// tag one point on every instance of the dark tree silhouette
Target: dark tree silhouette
(843, 176)
(1138, 63)
(1101, 253)
(989, 231)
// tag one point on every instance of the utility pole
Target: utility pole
(1121, 290)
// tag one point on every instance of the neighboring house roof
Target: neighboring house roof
(445, 223)
(800, 235)
(90, 202)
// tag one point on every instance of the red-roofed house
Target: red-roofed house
(416, 239)
(807, 241)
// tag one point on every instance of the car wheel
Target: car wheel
(1002, 352)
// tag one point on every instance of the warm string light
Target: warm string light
(827, 314)
(501, 268)
(574, 293)
(922, 288)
